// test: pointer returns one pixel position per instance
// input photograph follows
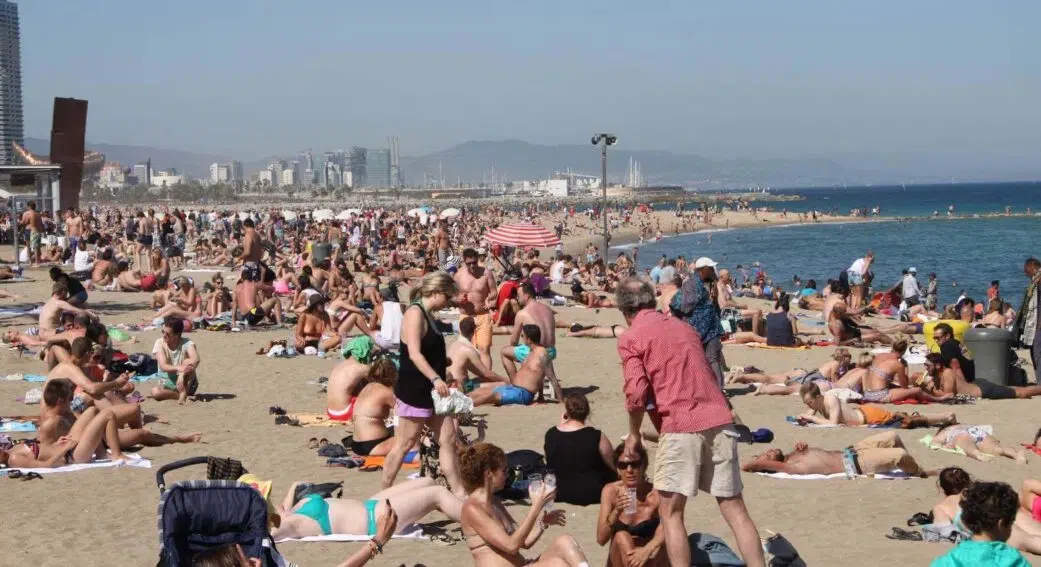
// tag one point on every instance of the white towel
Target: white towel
(891, 475)
(415, 531)
(389, 336)
(135, 460)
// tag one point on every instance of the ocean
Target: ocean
(965, 253)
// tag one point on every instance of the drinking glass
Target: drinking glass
(551, 484)
(534, 486)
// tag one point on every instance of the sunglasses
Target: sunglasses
(621, 465)
(939, 337)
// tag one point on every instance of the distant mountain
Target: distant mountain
(191, 164)
(476, 162)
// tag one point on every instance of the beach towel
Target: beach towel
(1032, 448)
(16, 280)
(23, 311)
(891, 425)
(134, 461)
(415, 531)
(771, 347)
(17, 426)
(312, 420)
(389, 335)
(373, 462)
(891, 475)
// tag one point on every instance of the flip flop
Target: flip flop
(312, 443)
(31, 476)
(904, 535)
(920, 519)
(322, 442)
(276, 410)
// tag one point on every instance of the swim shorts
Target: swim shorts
(145, 240)
(483, 332)
(170, 384)
(1035, 509)
(255, 316)
(514, 395)
(855, 278)
(149, 282)
(521, 352)
(34, 240)
(991, 391)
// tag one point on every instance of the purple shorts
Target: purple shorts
(401, 409)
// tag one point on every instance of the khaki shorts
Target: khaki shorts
(706, 461)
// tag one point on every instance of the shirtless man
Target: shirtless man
(668, 289)
(57, 421)
(94, 390)
(726, 300)
(73, 227)
(532, 313)
(348, 378)
(246, 299)
(880, 453)
(465, 358)
(847, 331)
(443, 244)
(526, 383)
(145, 227)
(32, 220)
(51, 311)
(477, 298)
(951, 381)
(101, 272)
(252, 247)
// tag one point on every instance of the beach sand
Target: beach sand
(108, 516)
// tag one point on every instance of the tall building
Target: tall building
(321, 176)
(236, 172)
(307, 170)
(377, 169)
(143, 173)
(11, 127)
(220, 173)
(288, 177)
(357, 161)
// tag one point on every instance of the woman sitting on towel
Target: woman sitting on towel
(313, 515)
(830, 410)
(491, 533)
(371, 410)
(632, 526)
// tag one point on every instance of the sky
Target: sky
(758, 79)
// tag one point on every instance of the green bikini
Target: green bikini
(316, 508)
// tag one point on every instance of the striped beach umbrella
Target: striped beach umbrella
(522, 235)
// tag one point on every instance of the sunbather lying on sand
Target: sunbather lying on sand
(830, 410)
(976, 443)
(879, 453)
(411, 500)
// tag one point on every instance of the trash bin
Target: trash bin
(991, 351)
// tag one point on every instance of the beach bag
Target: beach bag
(520, 465)
(780, 552)
(731, 320)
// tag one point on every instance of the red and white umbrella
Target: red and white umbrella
(522, 235)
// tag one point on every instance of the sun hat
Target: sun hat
(264, 488)
(704, 262)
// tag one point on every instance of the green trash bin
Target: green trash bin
(992, 352)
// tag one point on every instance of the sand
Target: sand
(107, 517)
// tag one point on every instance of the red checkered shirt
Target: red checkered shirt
(664, 363)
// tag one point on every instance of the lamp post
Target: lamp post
(604, 140)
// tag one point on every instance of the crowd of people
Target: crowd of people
(337, 286)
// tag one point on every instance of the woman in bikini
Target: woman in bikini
(976, 442)
(836, 373)
(184, 301)
(313, 326)
(314, 515)
(886, 380)
(953, 481)
(495, 539)
(596, 332)
(371, 410)
(637, 536)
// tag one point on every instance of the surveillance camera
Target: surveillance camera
(612, 140)
(595, 140)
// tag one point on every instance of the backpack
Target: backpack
(520, 465)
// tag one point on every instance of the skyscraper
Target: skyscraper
(377, 169)
(11, 128)
(357, 161)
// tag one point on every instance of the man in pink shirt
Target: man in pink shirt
(665, 368)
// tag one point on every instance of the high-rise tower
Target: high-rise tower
(11, 127)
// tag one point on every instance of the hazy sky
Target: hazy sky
(250, 78)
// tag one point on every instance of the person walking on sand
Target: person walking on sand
(664, 363)
(1026, 328)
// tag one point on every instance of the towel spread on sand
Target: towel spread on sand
(134, 461)
(891, 475)
(795, 421)
(415, 531)
(17, 426)
(771, 347)
(10, 311)
(314, 420)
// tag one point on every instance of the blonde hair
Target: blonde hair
(865, 360)
(433, 283)
(839, 354)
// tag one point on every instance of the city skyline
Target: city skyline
(11, 110)
(803, 78)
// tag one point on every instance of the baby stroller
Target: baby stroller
(201, 515)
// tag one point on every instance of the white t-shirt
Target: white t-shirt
(556, 271)
(858, 266)
(81, 261)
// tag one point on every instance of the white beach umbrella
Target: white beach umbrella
(343, 215)
(449, 213)
(322, 214)
(416, 213)
(289, 215)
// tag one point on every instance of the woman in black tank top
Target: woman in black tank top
(423, 366)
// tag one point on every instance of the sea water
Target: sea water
(965, 253)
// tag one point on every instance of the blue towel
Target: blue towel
(17, 427)
(35, 378)
(146, 378)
